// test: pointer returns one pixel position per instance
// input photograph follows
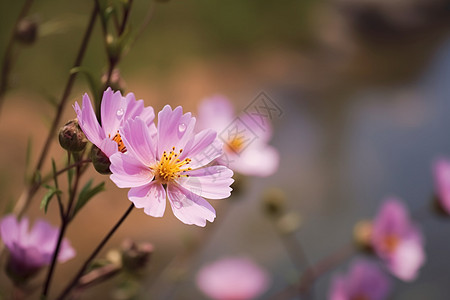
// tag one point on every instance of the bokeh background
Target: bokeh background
(364, 90)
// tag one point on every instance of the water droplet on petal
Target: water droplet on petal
(182, 127)
(119, 112)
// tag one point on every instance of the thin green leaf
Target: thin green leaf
(28, 158)
(87, 193)
(48, 196)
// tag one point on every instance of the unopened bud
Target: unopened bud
(362, 234)
(135, 256)
(26, 31)
(100, 161)
(274, 201)
(71, 137)
(289, 223)
(113, 48)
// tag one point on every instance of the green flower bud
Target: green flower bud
(274, 202)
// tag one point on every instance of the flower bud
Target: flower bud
(274, 201)
(71, 137)
(135, 256)
(362, 233)
(100, 161)
(289, 223)
(26, 31)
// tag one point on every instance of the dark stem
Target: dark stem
(23, 202)
(8, 57)
(80, 273)
(65, 222)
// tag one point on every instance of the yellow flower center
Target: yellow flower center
(391, 242)
(170, 167)
(235, 144)
(118, 139)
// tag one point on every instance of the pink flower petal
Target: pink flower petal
(216, 113)
(174, 129)
(407, 260)
(88, 121)
(139, 143)
(113, 108)
(209, 182)
(441, 170)
(188, 207)
(236, 278)
(128, 171)
(365, 280)
(257, 160)
(151, 197)
(203, 149)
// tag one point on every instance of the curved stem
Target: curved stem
(65, 222)
(8, 57)
(80, 273)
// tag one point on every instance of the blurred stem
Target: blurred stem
(182, 260)
(86, 264)
(8, 58)
(314, 272)
(27, 195)
(297, 254)
(64, 223)
(323, 266)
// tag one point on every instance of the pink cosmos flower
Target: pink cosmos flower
(397, 240)
(441, 170)
(232, 278)
(174, 160)
(365, 280)
(114, 111)
(31, 250)
(246, 148)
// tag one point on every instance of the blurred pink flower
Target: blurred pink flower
(31, 250)
(114, 111)
(232, 278)
(397, 241)
(246, 148)
(365, 280)
(173, 160)
(441, 170)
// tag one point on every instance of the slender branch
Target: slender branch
(80, 273)
(325, 265)
(65, 222)
(315, 271)
(26, 196)
(8, 57)
(78, 163)
(126, 15)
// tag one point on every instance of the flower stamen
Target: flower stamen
(170, 167)
(118, 139)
